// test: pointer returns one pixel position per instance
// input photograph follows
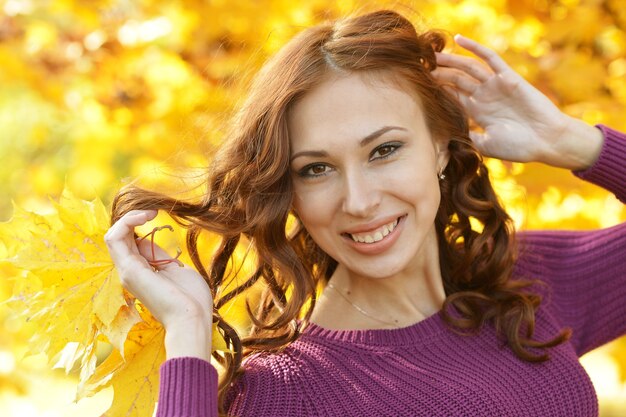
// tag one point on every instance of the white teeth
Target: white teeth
(375, 235)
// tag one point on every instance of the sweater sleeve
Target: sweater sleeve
(267, 388)
(187, 388)
(609, 171)
(585, 270)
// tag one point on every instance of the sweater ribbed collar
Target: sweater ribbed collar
(421, 331)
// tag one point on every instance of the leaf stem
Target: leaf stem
(158, 262)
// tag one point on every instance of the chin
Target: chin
(378, 268)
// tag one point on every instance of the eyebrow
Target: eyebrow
(363, 142)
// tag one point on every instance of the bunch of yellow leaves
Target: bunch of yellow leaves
(69, 287)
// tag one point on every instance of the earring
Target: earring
(441, 176)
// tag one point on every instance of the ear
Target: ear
(443, 154)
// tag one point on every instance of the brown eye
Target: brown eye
(318, 169)
(384, 150)
(314, 170)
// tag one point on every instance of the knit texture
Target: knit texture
(427, 370)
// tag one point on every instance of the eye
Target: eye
(385, 150)
(314, 170)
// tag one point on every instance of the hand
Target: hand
(177, 296)
(520, 123)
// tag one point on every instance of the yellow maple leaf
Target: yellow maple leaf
(69, 288)
(137, 367)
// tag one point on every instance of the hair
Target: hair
(249, 197)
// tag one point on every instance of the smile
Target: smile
(374, 235)
(378, 240)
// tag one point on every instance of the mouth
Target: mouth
(381, 233)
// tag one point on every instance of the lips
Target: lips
(376, 234)
(373, 232)
(375, 238)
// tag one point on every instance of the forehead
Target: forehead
(345, 107)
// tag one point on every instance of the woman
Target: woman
(355, 131)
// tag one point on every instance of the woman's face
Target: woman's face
(364, 169)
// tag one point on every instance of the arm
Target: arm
(188, 382)
(179, 298)
(270, 386)
(609, 169)
(586, 280)
(584, 269)
(188, 387)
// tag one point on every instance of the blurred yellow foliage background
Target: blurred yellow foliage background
(95, 92)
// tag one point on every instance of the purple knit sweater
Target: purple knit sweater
(427, 370)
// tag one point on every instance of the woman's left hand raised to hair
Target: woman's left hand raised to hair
(520, 123)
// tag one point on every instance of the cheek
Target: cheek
(313, 205)
(412, 182)
(316, 215)
(415, 176)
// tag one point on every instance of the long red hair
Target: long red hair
(249, 195)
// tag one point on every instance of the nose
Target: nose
(361, 195)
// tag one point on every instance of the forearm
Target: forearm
(609, 171)
(578, 147)
(189, 338)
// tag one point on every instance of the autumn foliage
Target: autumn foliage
(94, 93)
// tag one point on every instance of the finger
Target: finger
(457, 78)
(494, 60)
(461, 96)
(479, 140)
(452, 91)
(126, 224)
(468, 65)
(466, 102)
(135, 273)
(150, 213)
(119, 238)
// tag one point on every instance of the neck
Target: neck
(406, 297)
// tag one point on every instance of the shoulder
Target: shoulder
(284, 366)
(295, 363)
(273, 382)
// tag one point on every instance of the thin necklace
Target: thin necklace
(360, 309)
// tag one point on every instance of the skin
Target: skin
(177, 296)
(341, 184)
(520, 124)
